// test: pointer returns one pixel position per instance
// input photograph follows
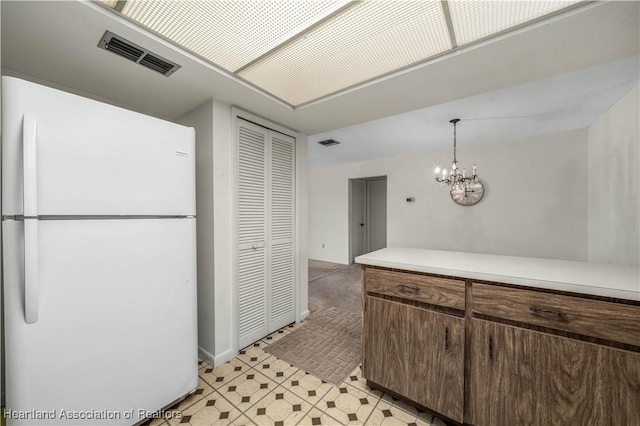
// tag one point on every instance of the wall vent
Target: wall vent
(122, 47)
(329, 142)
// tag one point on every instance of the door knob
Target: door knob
(362, 224)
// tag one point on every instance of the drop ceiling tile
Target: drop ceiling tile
(365, 41)
(229, 33)
(473, 20)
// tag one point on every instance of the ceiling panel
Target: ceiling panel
(229, 33)
(369, 39)
(473, 20)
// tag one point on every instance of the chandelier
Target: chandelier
(463, 190)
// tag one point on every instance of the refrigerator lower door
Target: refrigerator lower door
(116, 335)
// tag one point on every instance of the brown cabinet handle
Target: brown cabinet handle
(540, 310)
(446, 338)
(490, 347)
(409, 287)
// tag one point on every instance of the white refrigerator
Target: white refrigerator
(99, 241)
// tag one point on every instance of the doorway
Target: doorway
(367, 215)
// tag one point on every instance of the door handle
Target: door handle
(542, 311)
(31, 285)
(409, 287)
(446, 338)
(30, 211)
(362, 224)
(30, 193)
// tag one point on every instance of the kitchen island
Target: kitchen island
(503, 340)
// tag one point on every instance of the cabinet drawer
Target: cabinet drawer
(422, 288)
(605, 320)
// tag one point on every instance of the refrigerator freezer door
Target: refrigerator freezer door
(93, 158)
(117, 319)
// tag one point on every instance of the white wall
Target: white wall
(614, 196)
(212, 121)
(201, 119)
(535, 201)
(222, 220)
(302, 223)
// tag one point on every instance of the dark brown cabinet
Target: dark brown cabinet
(526, 377)
(495, 354)
(416, 353)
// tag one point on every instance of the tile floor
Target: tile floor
(256, 388)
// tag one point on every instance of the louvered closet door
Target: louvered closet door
(252, 233)
(282, 162)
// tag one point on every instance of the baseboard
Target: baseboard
(216, 360)
(206, 356)
(339, 262)
(304, 314)
(225, 356)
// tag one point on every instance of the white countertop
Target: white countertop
(599, 279)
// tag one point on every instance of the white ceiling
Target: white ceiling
(56, 42)
(565, 102)
(282, 45)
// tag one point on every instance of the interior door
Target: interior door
(252, 233)
(282, 225)
(266, 231)
(109, 290)
(376, 214)
(358, 212)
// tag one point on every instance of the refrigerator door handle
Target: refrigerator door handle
(30, 211)
(30, 188)
(31, 285)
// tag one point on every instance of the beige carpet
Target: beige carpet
(327, 346)
(333, 285)
(319, 268)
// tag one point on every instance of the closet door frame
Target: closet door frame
(299, 209)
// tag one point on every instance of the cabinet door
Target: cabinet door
(416, 353)
(524, 377)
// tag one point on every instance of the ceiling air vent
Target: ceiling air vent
(118, 45)
(329, 142)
